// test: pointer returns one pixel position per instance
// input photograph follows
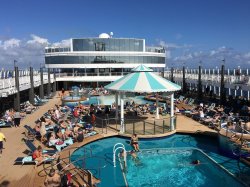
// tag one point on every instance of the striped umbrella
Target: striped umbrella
(142, 79)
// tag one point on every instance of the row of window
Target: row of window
(101, 70)
(55, 50)
(104, 59)
(107, 44)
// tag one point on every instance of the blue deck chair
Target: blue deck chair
(3, 124)
(31, 133)
(37, 103)
(32, 148)
(41, 100)
(29, 161)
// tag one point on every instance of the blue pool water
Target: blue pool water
(111, 177)
(172, 167)
(110, 99)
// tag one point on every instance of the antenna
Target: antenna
(111, 34)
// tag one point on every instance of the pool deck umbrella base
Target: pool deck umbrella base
(143, 80)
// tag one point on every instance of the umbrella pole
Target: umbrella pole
(122, 114)
(116, 105)
(157, 107)
(172, 112)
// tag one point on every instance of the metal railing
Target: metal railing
(137, 126)
(231, 79)
(8, 85)
(149, 127)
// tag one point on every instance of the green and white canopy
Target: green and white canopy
(142, 79)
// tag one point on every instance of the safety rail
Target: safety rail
(66, 158)
(84, 158)
(66, 161)
(8, 85)
(214, 78)
(154, 126)
(240, 132)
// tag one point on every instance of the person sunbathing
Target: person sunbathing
(88, 127)
(60, 134)
(62, 124)
(79, 135)
(214, 119)
(39, 157)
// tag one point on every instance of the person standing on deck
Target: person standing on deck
(2, 138)
(17, 119)
(62, 93)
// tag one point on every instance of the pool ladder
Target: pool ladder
(117, 147)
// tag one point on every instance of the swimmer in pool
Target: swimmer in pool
(195, 162)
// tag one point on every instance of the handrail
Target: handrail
(84, 158)
(62, 159)
(114, 151)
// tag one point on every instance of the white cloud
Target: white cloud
(247, 55)
(31, 52)
(11, 43)
(26, 52)
(63, 43)
(37, 40)
(172, 46)
(213, 58)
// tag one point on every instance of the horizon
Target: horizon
(191, 31)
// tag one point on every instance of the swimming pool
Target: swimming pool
(110, 99)
(111, 176)
(173, 167)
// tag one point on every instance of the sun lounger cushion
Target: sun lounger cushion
(69, 141)
(3, 125)
(20, 160)
(90, 134)
(58, 147)
(27, 159)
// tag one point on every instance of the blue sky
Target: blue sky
(191, 30)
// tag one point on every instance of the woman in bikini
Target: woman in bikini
(39, 157)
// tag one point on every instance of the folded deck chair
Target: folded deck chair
(31, 133)
(32, 148)
(29, 161)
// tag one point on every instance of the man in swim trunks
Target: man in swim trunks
(134, 142)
